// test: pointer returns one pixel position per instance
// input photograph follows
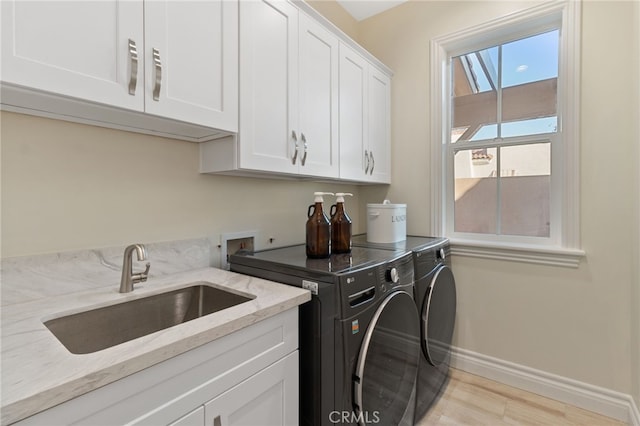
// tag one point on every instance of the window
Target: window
(505, 137)
(503, 120)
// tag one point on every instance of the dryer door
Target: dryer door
(385, 379)
(438, 316)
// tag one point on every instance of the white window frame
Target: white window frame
(563, 247)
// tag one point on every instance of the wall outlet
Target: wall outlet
(231, 243)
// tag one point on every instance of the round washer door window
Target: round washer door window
(385, 379)
(438, 316)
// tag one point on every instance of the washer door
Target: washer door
(386, 371)
(438, 316)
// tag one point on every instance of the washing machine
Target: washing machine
(359, 335)
(435, 297)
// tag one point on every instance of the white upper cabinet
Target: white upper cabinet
(288, 92)
(318, 91)
(74, 48)
(268, 86)
(365, 129)
(379, 126)
(190, 66)
(354, 133)
(170, 59)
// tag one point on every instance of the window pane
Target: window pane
(525, 189)
(530, 59)
(475, 102)
(530, 85)
(475, 191)
(489, 131)
(530, 127)
(484, 71)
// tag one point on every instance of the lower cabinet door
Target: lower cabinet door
(194, 418)
(268, 398)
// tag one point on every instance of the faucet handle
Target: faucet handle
(141, 277)
(146, 270)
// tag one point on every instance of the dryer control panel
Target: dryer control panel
(426, 260)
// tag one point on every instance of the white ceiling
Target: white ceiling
(362, 9)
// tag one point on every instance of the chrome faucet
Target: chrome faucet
(128, 277)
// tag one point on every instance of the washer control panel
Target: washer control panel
(361, 288)
(392, 275)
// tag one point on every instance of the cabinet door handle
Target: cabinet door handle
(133, 67)
(366, 162)
(295, 153)
(373, 162)
(158, 67)
(217, 421)
(304, 157)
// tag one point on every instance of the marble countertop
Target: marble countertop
(38, 372)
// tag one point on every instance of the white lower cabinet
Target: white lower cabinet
(249, 377)
(194, 418)
(263, 399)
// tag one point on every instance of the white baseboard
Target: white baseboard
(593, 398)
(634, 414)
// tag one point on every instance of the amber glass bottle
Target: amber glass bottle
(340, 226)
(318, 229)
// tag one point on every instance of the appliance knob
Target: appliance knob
(443, 254)
(392, 275)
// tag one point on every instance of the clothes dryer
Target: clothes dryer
(435, 297)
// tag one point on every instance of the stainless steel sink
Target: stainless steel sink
(101, 328)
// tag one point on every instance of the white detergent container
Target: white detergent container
(386, 222)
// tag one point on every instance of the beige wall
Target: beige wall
(635, 294)
(69, 186)
(576, 323)
(337, 14)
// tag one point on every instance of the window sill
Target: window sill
(552, 256)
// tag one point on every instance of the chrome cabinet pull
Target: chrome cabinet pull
(158, 67)
(217, 421)
(366, 162)
(373, 162)
(304, 157)
(295, 154)
(133, 67)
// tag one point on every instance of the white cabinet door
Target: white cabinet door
(194, 418)
(269, 398)
(354, 132)
(75, 48)
(379, 126)
(288, 91)
(365, 119)
(268, 86)
(318, 91)
(191, 57)
(172, 59)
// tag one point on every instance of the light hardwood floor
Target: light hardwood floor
(474, 400)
